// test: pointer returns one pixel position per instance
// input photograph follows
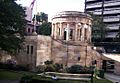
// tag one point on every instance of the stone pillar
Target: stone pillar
(82, 36)
(61, 31)
(53, 26)
(67, 30)
(76, 28)
(55, 32)
(89, 33)
(86, 33)
(80, 33)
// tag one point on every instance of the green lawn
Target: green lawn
(72, 81)
(10, 75)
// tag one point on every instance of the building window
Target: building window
(28, 30)
(65, 33)
(80, 32)
(31, 49)
(27, 49)
(78, 58)
(71, 33)
(59, 31)
(32, 30)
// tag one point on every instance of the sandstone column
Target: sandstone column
(76, 28)
(89, 32)
(82, 36)
(53, 26)
(60, 30)
(67, 30)
(55, 32)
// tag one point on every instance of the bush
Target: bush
(101, 73)
(79, 69)
(13, 67)
(26, 79)
(40, 68)
(50, 68)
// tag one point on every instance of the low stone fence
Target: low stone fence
(68, 76)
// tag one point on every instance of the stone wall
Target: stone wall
(43, 49)
(117, 68)
(73, 53)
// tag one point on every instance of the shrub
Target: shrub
(50, 68)
(26, 79)
(13, 67)
(101, 73)
(40, 68)
(58, 67)
(79, 69)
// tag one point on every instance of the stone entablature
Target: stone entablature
(72, 25)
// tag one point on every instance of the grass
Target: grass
(75, 81)
(12, 75)
(16, 75)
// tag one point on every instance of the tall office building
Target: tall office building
(110, 10)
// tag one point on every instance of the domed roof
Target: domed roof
(71, 14)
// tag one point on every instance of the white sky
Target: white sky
(51, 7)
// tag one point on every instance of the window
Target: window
(65, 33)
(78, 58)
(71, 33)
(28, 30)
(32, 30)
(27, 49)
(31, 49)
(80, 32)
(59, 31)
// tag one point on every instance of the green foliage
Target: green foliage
(79, 69)
(45, 29)
(101, 73)
(13, 75)
(51, 67)
(12, 22)
(99, 29)
(48, 62)
(11, 66)
(40, 68)
(41, 18)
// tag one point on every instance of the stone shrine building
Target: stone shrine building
(69, 44)
(71, 38)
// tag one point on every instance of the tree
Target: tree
(99, 29)
(12, 22)
(45, 29)
(117, 38)
(40, 18)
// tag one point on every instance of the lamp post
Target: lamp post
(67, 38)
(85, 55)
(102, 14)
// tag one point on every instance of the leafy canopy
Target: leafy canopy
(12, 22)
(99, 29)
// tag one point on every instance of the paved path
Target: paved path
(114, 78)
(9, 81)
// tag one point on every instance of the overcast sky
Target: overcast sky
(51, 7)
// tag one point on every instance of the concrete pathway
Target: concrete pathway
(114, 78)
